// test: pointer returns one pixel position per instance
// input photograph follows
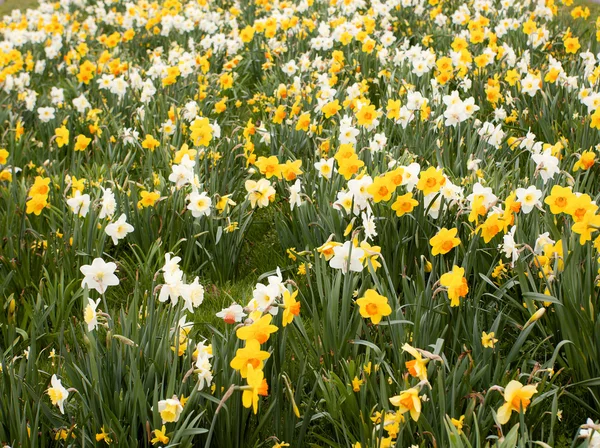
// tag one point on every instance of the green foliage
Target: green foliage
(334, 376)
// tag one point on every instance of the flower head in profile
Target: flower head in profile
(103, 436)
(590, 431)
(456, 284)
(90, 314)
(160, 436)
(224, 203)
(295, 194)
(256, 386)
(57, 393)
(458, 423)
(232, 314)
(82, 142)
(586, 161)
(170, 409)
(418, 366)
(326, 250)
(108, 204)
(203, 366)
(291, 307)
(61, 136)
(193, 295)
(488, 340)
(99, 275)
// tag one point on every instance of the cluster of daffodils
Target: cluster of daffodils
(192, 295)
(38, 194)
(255, 331)
(175, 287)
(430, 169)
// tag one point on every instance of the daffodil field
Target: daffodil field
(303, 223)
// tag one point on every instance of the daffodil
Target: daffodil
(381, 189)
(517, 398)
(170, 409)
(366, 115)
(373, 306)
(119, 229)
(252, 355)
(444, 241)
(269, 166)
(99, 275)
(456, 285)
(148, 198)
(81, 142)
(356, 384)
(201, 132)
(431, 181)
(331, 108)
(458, 423)
(58, 393)
(150, 143)
(418, 366)
(585, 162)
(260, 193)
(291, 307)
(589, 224)
(488, 340)
(251, 392)
(404, 204)
(160, 436)
(103, 436)
(260, 330)
(90, 314)
(408, 401)
(62, 136)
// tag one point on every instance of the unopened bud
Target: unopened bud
(536, 316)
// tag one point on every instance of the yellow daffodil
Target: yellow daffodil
(517, 397)
(408, 401)
(374, 306)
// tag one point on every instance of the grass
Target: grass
(261, 253)
(9, 5)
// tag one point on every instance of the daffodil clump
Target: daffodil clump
(358, 223)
